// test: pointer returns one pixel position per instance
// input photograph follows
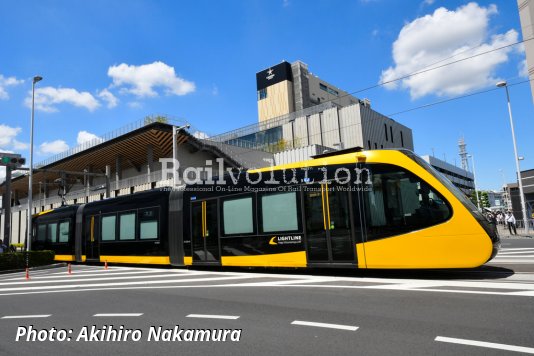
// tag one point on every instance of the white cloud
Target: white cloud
(84, 136)
(428, 2)
(448, 33)
(214, 90)
(109, 98)
(53, 147)
(47, 98)
(17, 145)
(134, 104)
(8, 134)
(523, 68)
(6, 82)
(142, 80)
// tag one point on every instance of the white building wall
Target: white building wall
(350, 126)
(314, 127)
(330, 126)
(301, 131)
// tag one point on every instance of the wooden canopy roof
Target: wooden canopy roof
(131, 147)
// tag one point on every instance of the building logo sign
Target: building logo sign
(285, 240)
(270, 74)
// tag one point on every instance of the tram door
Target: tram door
(328, 224)
(92, 248)
(205, 234)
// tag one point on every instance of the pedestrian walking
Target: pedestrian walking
(3, 247)
(510, 220)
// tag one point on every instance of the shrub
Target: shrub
(17, 260)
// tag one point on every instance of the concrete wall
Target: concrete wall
(377, 130)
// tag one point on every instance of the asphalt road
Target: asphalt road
(487, 311)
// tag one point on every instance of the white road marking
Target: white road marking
(70, 279)
(491, 345)
(325, 325)
(26, 316)
(211, 316)
(117, 314)
(122, 283)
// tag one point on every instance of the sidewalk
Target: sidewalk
(504, 233)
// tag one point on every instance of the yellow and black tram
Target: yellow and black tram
(356, 209)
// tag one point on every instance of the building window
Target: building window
(332, 91)
(369, 144)
(402, 140)
(376, 146)
(323, 87)
(386, 131)
(262, 93)
(237, 216)
(391, 132)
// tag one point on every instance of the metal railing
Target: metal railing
(112, 135)
(274, 122)
(519, 226)
(81, 193)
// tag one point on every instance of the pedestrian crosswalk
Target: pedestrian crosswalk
(515, 256)
(96, 278)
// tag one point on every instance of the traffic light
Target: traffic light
(12, 160)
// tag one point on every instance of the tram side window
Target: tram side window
(127, 226)
(64, 229)
(52, 233)
(399, 202)
(41, 232)
(238, 216)
(148, 223)
(279, 212)
(108, 228)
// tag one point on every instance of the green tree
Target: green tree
(482, 196)
(149, 119)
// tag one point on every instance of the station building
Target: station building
(297, 109)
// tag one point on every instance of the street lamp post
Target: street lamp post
(518, 170)
(30, 183)
(475, 180)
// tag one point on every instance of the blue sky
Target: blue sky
(108, 63)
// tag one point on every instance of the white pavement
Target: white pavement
(95, 278)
